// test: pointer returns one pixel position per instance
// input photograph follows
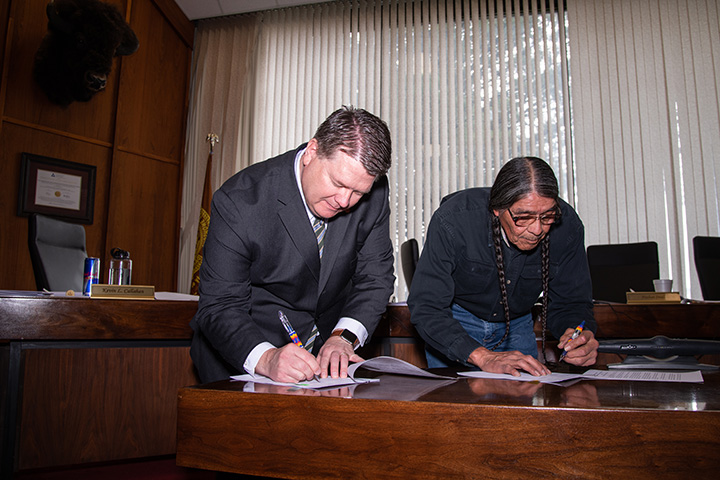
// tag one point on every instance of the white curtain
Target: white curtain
(463, 85)
(222, 58)
(646, 124)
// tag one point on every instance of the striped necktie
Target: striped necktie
(319, 227)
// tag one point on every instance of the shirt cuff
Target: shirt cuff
(347, 323)
(252, 360)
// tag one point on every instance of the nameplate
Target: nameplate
(652, 297)
(129, 292)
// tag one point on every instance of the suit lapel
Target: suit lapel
(294, 217)
(333, 241)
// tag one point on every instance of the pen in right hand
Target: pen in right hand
(576, 333)
(289, 329)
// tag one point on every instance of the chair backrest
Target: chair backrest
(616, 269)
(408, 258)
(57, 251)
(707, 263)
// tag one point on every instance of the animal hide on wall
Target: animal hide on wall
(76, 55)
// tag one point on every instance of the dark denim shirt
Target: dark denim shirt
(457, 265)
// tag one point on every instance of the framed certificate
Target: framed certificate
(56, 187)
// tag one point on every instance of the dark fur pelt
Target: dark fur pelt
(76, 55)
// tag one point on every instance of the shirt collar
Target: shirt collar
(504, 235)
(296, 167)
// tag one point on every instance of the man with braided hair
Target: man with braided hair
(490, 254)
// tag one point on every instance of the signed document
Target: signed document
(390, 365)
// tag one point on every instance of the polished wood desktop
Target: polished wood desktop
(88, 380)
(471, 428)
(404, 428)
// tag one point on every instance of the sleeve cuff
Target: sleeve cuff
(254, 357)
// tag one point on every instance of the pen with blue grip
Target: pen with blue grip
(290, 330)
(576, 333)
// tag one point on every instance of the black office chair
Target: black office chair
(57, 251)
(707, 263)
(409, 258)
(618, 268)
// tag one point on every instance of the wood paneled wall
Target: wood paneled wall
(132, 132)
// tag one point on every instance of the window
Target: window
(463, 87)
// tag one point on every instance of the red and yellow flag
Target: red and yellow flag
(204, 223)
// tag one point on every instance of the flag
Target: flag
(204, 222)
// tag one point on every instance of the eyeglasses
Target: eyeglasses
(526, 220)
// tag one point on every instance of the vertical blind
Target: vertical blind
(463, 85)
(646, 111)
(466, 85)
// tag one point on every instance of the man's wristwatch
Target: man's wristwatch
(347, 335)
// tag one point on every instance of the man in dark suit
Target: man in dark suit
(262, 256)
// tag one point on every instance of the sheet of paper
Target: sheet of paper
(645, 375)
(554, 378)
(393, 365)
(377, 364)
(559, 378)
(55, 189)
(22, 293)
(175, 296)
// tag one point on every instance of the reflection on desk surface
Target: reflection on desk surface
(172, 296)
(590, 394)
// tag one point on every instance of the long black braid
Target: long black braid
(497, 242)
(545, 250)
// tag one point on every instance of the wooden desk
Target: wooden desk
(87, 380)
(695, 320)
(472, 428)
(396, 336)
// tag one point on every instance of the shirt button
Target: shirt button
(508, 282)
(494, 314)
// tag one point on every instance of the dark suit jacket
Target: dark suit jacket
(261, 256)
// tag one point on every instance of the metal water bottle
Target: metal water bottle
(120, 272)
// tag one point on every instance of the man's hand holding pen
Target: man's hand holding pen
(288, 364)
(293, 363)
(581, 350)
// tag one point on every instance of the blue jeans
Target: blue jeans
(521, 336)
